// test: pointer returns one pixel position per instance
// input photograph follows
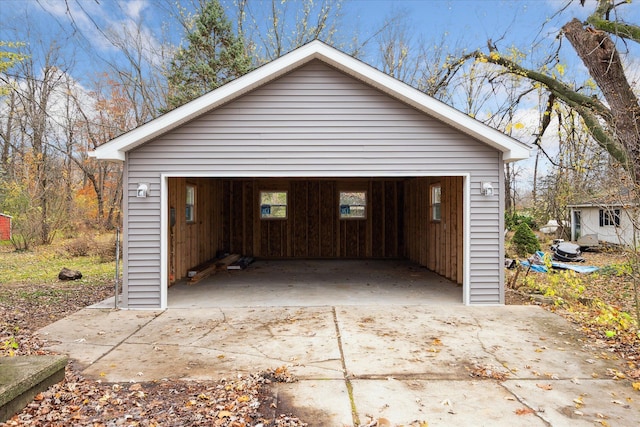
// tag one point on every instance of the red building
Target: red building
(5, 227)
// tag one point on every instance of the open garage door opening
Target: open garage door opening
(317, 241)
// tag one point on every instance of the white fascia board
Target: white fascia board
(114, 150)
(603, 205)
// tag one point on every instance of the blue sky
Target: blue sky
(79, 28)
(456, 23)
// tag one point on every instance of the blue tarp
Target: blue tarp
(542, 268)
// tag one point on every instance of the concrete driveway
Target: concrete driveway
(445, 365)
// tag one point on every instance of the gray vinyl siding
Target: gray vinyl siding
(314, 121)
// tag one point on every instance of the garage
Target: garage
(314, 156)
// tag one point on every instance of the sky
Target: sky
(82, 28)
(468, 23)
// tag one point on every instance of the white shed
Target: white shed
(610, 222)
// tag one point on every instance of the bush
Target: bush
(524, 240)
(80, 246)
(88, 245)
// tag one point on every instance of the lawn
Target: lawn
(42, 265)
(31, 296)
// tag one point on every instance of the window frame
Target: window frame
(190, 188)
(261, 205)
(435, 208)
(609, 217)
(363, 206)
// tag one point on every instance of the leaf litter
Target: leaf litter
(77, 401)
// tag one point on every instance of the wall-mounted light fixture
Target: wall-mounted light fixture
(143, 190)
(487, 189)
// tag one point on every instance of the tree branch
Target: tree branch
(558, 88)
(621, 29)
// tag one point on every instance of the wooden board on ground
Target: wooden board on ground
(211, 268)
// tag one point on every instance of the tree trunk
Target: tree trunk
(598, 52)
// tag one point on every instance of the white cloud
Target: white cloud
(134, 8)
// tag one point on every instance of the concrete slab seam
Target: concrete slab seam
(347, 381)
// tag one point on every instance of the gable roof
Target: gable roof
(116, 148)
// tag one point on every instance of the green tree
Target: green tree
(524, 240)
(214, 56)
(8, 59)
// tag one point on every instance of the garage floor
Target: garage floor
(319, 283)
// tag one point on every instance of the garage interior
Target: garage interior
(401, 234)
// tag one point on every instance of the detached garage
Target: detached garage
(314, 155)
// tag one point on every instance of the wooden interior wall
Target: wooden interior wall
(397, 225)
(438, 245)
(193, 243)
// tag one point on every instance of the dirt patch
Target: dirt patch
(513, 297)
(285, 404)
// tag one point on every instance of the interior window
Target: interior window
(436, 193)
(191, 203)
(353, 204)
(273, 204)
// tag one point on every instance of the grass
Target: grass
(42, 265)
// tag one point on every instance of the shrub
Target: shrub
(524, 240)
(102, 247)
(78, 247)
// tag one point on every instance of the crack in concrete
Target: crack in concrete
(502, 363)
(523, 401)
(211, 329)
(126, 338)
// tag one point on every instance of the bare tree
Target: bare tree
(613, 122)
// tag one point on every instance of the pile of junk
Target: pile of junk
(563, 254)
(566, 252)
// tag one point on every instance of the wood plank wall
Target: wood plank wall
(397, 223)
(438, 245)
(193, 243)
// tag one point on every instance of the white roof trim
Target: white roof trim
(116, 148)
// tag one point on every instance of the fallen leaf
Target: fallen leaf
(544, 386)
(524, 411)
